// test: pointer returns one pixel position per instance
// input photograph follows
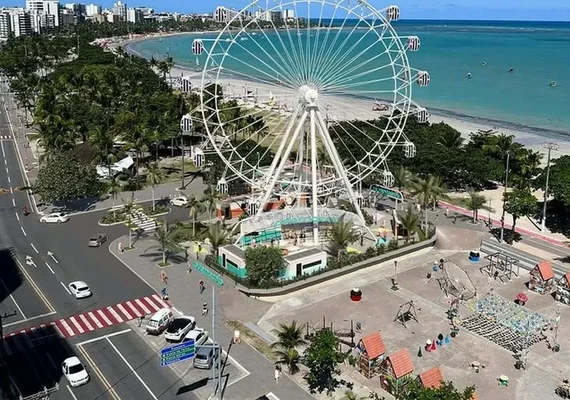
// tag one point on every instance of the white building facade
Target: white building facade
(92, 10)
(224, 14)
(120, 10)
(5, 23)
(134, 15)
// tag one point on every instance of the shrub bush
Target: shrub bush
(158, 209)
(112, 219)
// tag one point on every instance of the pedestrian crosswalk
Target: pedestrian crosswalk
(142, 221)
(83, 323)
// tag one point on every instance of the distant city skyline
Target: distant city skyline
(526, 10)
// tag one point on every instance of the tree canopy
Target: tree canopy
(263, 264)
(322, 358)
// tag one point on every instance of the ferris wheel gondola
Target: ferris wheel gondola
(307, 143)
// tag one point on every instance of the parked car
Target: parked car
(98, 239)
(198, 335)
(159, 321)
(79, 289)
(180, 201)
(75, 372)
(55, 218)
(205, 356)
(179, 328)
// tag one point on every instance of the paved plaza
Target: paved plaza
(379, 306)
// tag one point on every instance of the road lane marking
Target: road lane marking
(13, 300)
(34, 247)
(23, 231)
(52, 271)
(124, 311)
(115, 315)
(36, 288)
(11, 190)
(17, 216)
(98, 372)
(66, 289)
(8, 179)
(13, 201)
(104, 317)
(150, 303)
(110, 335)
(29, 319)
(7, 172)
(132, 370)
(76, 324)
(71, 392)
(66, 327)
(95, 320)
(86, 322)
(55, 367)
(141, 304)
(2, 145)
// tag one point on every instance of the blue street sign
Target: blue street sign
(180, 352)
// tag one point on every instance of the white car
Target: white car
(79, 289)
(179, 328)
(198, 335)
(180, 201)
(55, 218)
(75, 372)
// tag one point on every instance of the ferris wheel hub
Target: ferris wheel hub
(308, 95)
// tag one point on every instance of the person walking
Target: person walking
(204, 309)
(164, 277)
(277, 373)
(188, 267)
(202, 286)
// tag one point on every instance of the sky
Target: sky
(531, 10)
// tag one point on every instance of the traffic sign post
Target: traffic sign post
(180, 352)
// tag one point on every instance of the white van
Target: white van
(159, 321)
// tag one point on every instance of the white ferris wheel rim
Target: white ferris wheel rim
(402, 102)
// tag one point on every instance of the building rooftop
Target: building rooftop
(401, 363)
(236, 251)
(374, 345)
(432, 378)
(303, 253)
(545, 270)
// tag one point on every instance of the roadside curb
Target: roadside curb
(115, 243)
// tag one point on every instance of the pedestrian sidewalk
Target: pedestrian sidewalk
(183, 292)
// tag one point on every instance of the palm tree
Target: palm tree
(195, 206)
(398, 387)
(427, 191)
(113, 189)
(475, 202)
(410, 222)
(350, 395)
(218, 237)
(288, 336)
(165, 239)
(402, 178)
(290, 358)
(153, 177)
(343, 233)
(211, 198)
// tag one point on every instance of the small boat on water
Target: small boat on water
(484, 63)
(469, 75)
(228, 40)
(553, 84)
(511, 70)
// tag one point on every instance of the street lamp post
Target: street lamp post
(549, 147)
(504, 198)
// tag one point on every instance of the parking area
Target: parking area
(194, 379)
(380, 306)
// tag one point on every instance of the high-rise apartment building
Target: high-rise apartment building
(47, 10)
(5, 24)
(134, 15)
(224, 14)
(23, 22)
(120, 10)
(92, 10)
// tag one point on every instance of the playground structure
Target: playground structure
(456, 282)
(506, 323)
(406, 313)
(342, 334)
(500, 266)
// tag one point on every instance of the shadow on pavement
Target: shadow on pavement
(33, 361)
(193, 386)
(77, 205)
(10, 274)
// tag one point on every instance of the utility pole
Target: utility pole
(549, 147)
(504, 198)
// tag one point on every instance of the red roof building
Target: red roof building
(432, 378)
(372, 350)
(397, 366)
(542, 278)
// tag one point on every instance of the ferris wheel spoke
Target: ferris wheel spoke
(315, 48)
(294, 71)
(347, 73)
(329, 58)
(300, 48)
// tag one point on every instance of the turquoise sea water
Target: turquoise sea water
(538, 52)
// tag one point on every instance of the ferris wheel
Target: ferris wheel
(308, 97)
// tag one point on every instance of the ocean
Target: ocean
(538, 53)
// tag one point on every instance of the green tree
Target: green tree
(350, 395)
(211, 199)
(475, 202)
(289, 336)
(165, 241)
(113, 188)
(447, 391)
(342, 233)
(63, 177)
(402, 178)
(322, 358)
(427, 191)
(410, 222)
(520, 203)
(194, 207)
(263, 264)
(290, 358)
(154, 176)
(218, 237)
(559, 179)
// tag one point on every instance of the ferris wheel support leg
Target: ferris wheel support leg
(340, 168)
(283, 161)
(314, 176)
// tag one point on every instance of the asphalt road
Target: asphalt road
(37, 289)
